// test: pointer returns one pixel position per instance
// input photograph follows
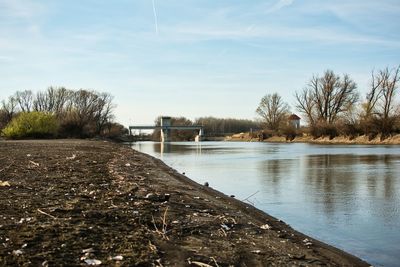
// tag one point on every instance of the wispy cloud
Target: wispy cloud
(20, 8)
(279, 5)
(324, 35)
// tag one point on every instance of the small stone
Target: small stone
(118, 258)
(265, 227)
(17, 252)
(225, 227)
(88, 250)
(92, 262)
(5, 183)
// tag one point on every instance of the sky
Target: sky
(192, 58)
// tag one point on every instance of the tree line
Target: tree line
(213, 127)
(78, 113)
(332, 106)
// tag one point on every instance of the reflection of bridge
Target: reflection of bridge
(166, 128)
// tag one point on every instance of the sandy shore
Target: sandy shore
(80, 202)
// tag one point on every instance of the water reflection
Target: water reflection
(273, 172)
(329, 182)
(336, 180)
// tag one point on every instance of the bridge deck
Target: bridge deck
(182, 127)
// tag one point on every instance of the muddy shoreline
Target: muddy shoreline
(76, 203)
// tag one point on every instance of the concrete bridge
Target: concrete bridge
(166, 129)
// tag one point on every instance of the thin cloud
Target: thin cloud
(279, 5)
(20, 9)
(323, 35)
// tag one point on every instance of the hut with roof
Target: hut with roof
(294, 121)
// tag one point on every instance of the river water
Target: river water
(345, 195)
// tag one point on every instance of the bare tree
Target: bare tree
(9, 107)
(24, 100)
(103, 111)
(326, 98)
(373, 96)
(305, 104)
(52, 100)
(390, 80)
(7, 111)
(273, 111)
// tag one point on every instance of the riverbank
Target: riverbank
(360, 140)
(80, 202)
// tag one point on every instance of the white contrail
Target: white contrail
(155, 16)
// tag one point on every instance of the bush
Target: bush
(31, 125)
(114, 130)
(289, 132)
(322, 129)
(349, 129)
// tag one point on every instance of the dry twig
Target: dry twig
(163, 231)
(45, 213)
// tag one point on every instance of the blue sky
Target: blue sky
(192, 57)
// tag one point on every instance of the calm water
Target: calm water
(344, 195)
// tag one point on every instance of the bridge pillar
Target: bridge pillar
(165, 130)
(199, 137)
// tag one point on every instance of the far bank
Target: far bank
(360, 140)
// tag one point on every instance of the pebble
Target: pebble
(17, 252)
(92, 262)
(118, 258)
(265, 227)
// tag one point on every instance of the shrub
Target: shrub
(31, 125)
(349, 129)
(114, 130)
(289, 132)
(322, 129)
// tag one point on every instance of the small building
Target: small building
(294, 121)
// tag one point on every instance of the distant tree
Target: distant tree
(54, 100)
(176, 135)
(224, 126)
(8, 110)
(305, 103)
(82, 113)
(326, 98)
(379, 109)
(273, 111)
(24, 100)
(31, 125)
(87, 113)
